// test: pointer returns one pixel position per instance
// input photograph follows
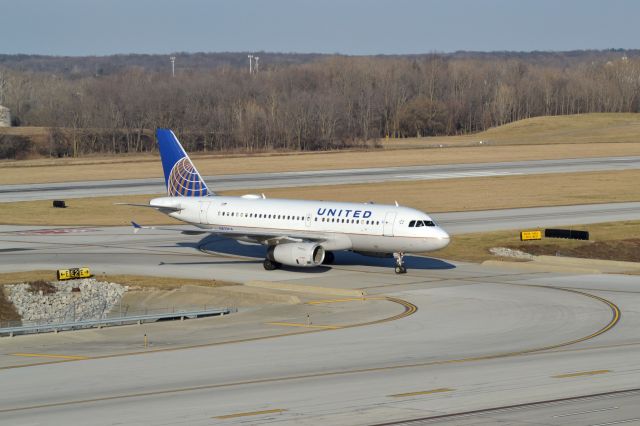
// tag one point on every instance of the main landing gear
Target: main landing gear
(270, 265)
(400, 268)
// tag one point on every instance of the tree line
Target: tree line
(330, 102)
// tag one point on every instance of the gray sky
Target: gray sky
(102, 27)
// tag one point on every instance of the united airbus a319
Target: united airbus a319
(298, 233)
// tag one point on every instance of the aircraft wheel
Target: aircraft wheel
(270, 265)
(401, 270)
(329, 257)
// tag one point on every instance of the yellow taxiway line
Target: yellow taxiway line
(51, 356)
(346, 299)
(250, 413)
(581, 373)
(297, 324)
(427, 392)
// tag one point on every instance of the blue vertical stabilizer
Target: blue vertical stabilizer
(180, 175)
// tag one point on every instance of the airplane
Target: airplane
(297, 233)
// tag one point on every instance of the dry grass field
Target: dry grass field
(589, 135)
(567, 129)
(612, 240)
(166, 283)
(136, 168)
(432, 196)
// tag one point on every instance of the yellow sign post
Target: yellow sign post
(530, 235)
(73, 273)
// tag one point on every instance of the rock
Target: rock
(507, 252)
(94, 301)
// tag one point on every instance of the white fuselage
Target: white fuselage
(372, 228)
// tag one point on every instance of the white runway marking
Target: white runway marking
(429, 176)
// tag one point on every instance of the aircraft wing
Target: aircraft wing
(272, 237)
(266, 237)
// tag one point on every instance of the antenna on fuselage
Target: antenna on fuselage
(397, 205)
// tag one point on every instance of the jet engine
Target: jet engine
(297, 254)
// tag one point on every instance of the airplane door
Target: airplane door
(389, 219)
(204, 206)
(307, 221)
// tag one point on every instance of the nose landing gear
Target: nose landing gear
(400, 268)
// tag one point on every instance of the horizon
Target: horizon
(78, 28)
(263, 52)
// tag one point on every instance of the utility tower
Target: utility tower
(173, 65)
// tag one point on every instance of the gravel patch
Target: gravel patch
(73, 300)
(507, 252)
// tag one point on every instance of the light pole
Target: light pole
(257, 58)
(250, 63)
(173, 65)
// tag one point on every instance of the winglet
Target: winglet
(136, 227)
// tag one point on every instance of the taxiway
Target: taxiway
(45, 191)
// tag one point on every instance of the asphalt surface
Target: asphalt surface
(536, 217)
(482, 338)
(46, 191)
(486, 345)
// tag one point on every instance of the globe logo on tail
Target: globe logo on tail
(184, 180)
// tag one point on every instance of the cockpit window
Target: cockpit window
(419, 223)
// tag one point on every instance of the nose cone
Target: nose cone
(443, 238)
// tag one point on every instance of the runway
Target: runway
(482, 338)
(10, 193)
(536, 217)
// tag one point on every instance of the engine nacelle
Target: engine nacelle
(297, 254)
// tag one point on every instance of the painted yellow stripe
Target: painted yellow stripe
(427, 392)
(346, 299)
(250, 413)
(322, 302)
(297, 324)
(581, 373)
(51, 356)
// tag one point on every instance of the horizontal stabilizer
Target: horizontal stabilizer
(137, 227)
(159, 208)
